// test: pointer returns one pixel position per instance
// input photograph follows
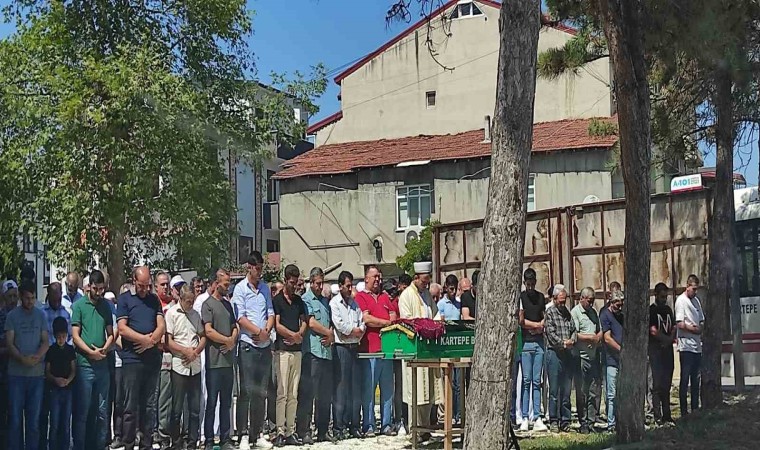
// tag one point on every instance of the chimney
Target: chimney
(487, 129)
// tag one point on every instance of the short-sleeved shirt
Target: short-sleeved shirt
(469, 301)
(186, 329)
(689, 310)
(379, 307)
(60, 359)
(290, 317)
(221, 316)
(533, 306)
(142, 317)
(28, 326)
(92, 320)
(661, 317)
(255, 304)
(449, 309)
(319, 308)
(613, 324)
(586, 322)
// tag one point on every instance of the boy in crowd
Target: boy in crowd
(60, 370)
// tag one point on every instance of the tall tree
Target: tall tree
(504, 227)
(126, 114)
(623, 23)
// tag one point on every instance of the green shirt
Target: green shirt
(319, 308)
(586, 322)
(92, 320)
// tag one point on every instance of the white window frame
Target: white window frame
(531, 197)
(425, 191)
(458, 10)
(268, 188)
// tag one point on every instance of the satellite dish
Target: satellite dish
(591, 199)
(411, 235)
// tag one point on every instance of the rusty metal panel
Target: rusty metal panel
(661, 266)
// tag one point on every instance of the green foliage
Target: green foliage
(103, 101)
(598, 127)
(420, 249)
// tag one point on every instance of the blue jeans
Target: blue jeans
(612, 373)
(515, 372)
(456, 388)
(532, 360)
(377, 371)
(560, 365)
(25, 402)
(91, 407)
(60, 418)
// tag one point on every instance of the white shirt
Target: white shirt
(199, 301)
(346, 317)
(186, 330)
(689, 311)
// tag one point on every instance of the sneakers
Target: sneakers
(553, 427)
(243, 443)
(116, 444)
(261, 442)
(293, 440)
(356, 434)
(538, 425)
(388, 431)
(279, 441)
(306, 439)
(370, 433)
(525, 426)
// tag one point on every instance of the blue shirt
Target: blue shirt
(610, 323)
(448, 309)
(319, 308)
(68, 302)
(141, 315)
(52, 314)
(255, 304)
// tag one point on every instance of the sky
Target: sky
(292, 35)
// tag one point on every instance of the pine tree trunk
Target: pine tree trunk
(117, 272)
(504, 228)
(722, 245)
(623, 24)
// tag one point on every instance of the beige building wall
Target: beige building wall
(386, 97)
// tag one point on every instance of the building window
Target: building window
(273, 246)
(273, 187)
(413, 206)
(465, 9)
(30, 245)
(430, 99)
(531, 192)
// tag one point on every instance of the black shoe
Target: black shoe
(424, 437)
(116, 444)
(293, 440)
(279, 441)
(209, 446)
(564, 428)
(355, 434)
(584, 429)
(306, 439)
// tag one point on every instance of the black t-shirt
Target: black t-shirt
(290, 317)
(661, 317)
(60, 359)
(534, 307)
(468, 301)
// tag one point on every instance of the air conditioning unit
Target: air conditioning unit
(411, 235)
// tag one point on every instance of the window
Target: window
(465, 9)
(430, 99)
(273, 187)
(273, 246)
(531, 192)
(30, 245)
(413, 206)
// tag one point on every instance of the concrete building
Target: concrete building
(411, 144)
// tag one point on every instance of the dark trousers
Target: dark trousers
(118, 404)
(316, 382)
(560, 368)
(3, 409)
(690, 375)
(662, 363)
(348, 388)
(59, 402)
(140, 398)
(588, 389)
(218, 389)
(255, 372)
(400, 409)
(186, 389)
(111, 399)
(272, 398)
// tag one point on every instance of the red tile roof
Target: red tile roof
(545, 20)
(334, 159)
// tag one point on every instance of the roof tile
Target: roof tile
(333, 159)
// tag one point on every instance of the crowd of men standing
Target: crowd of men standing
(159, 362)
(580, 347)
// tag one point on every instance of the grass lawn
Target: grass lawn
(735, 426)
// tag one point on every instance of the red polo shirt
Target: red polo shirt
(379, 307)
